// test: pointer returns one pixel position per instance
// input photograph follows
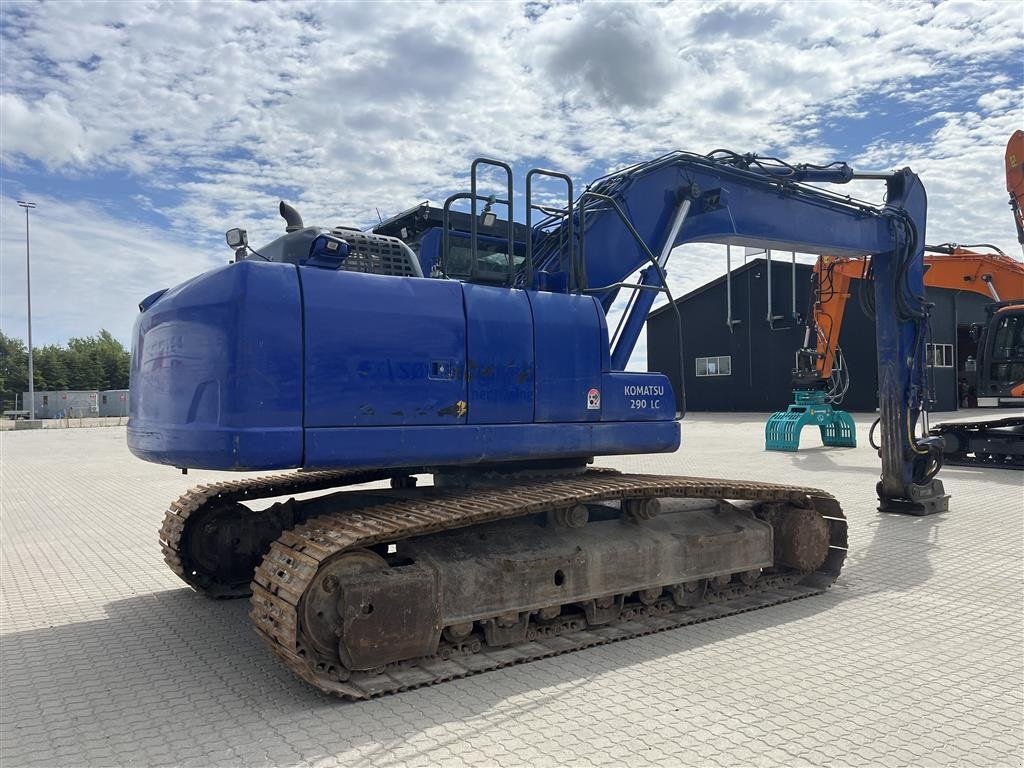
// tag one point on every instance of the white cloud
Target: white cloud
(89, 269)
(216, 111)
(613, 55)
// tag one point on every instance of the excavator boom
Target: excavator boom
(1015, 181)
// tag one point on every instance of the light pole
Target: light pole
(28, 291)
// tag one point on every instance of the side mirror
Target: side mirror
(236, 238)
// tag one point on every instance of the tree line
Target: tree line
(93, 362)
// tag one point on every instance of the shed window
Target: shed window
(939, 355)
(714, 366)
(104, 399)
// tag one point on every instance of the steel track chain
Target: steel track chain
(433, 670)
(293, 561)
(207, 497)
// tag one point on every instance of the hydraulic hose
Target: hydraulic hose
(871, 434)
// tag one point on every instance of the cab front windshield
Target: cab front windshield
(1008, 350)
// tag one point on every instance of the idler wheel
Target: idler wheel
(321, 617)
(801, 539)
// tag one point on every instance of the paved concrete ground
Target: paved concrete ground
(70, 423)
(913, 658)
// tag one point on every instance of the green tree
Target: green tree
(113, 359)
(91, 362)
(84, 366)
(50, 367)
(13, 370)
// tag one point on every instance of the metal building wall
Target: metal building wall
(113, 402)
(763, 353)
(52, 404)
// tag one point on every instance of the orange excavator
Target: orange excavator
(997, 442)
(992, 274)
(820, 378)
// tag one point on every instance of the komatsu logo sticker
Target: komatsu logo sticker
(644, 396)
(593, 400)
(645, 390)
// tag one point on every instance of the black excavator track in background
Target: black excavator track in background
(995, 443)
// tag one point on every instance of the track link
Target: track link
(295, 559)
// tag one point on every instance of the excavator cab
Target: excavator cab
(993, 441)
(1001, 346)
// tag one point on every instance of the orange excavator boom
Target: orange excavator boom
(1015, 180)
(994, 275)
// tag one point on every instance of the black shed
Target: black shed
(747, 367)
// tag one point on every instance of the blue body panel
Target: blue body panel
(382, 350)
(499, 330)
(272, 366)
(567, 341)
(216, 377)
(473, 444)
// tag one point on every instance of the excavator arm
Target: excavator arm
(638, 215)
(832, 278)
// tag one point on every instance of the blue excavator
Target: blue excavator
(476, 350)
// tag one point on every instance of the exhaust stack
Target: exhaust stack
(293, 221)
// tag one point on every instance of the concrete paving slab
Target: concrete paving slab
(913, 658)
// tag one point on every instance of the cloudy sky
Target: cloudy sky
(143, 130)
